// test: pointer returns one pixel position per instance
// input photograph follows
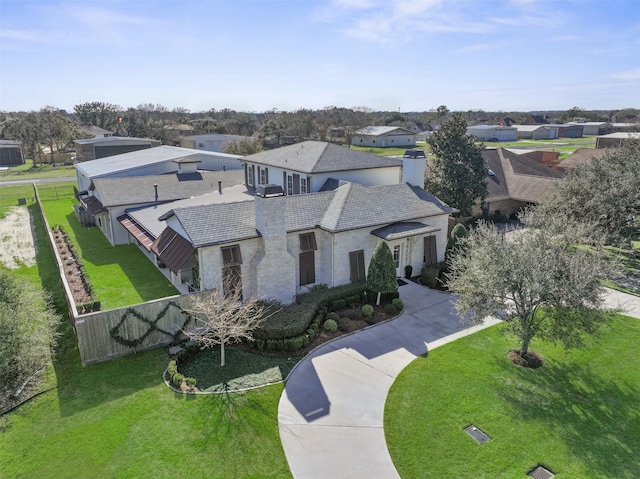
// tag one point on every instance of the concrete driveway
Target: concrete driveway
(330, 414)
(331, 411)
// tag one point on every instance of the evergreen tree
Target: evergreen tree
(458, 173)
(381, 275)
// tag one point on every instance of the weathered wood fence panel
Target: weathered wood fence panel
(137, 328)
(148, 325)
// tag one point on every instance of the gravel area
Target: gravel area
(16, 239)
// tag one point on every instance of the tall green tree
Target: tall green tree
(381, 274)
(603, 191)
(98, 113)
(458, 174)
(244, 147)
(536, 280)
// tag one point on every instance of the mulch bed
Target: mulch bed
(71, 268)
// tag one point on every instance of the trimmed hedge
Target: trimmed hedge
(430, 275)
(294, 326)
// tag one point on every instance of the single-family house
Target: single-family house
(209, 142)
(153, 161)
(11, 153)
(614, 140)
(536, 132)
(536, 120)
(384, 136)
(515, 181)
(275, 245)
(305, 167)
(102, 147)
(493, 132)
(96, 131)
(580, 156)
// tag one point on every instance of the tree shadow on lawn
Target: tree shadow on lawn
(597, 418)
(236, 418)
(96, 249)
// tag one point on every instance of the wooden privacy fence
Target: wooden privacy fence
(104, 335)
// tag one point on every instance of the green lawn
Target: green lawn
(244, 368)
(120, 275)
(387, 151)
(579, 414)
(28, 171)
(118, 420)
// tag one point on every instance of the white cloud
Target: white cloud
(628, 75)
(474, 48)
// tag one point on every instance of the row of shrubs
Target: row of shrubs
(335, 322)
(434, 276)
(294, 326)
(174, 376)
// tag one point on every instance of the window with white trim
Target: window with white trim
(289, 184)
(303, 185)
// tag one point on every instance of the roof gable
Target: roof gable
(320, 157)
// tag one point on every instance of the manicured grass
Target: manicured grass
(120, 275)
(28, 171)
(118, 420)
(387, 151)
(243, 368)
(579, 414)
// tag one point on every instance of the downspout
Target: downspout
(200, 269)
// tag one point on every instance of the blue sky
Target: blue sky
(256, 55)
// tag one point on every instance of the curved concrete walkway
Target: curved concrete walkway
(330, 414)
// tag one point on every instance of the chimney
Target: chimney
(219, 186)
(155, 187)
(413, 167)
(274, 265)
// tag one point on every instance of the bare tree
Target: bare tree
(221, 319)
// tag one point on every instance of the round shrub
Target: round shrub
(343, 324)
(397, 302)
(367, 311)
(330, 326)
(390, 309)
(354, 314)
(333, 316)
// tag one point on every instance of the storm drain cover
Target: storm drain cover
(477, 434)
(540, 472)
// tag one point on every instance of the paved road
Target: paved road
(36, 180)
(330, 414)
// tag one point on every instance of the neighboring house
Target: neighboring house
(176, 130)
(209, 142)
(96, 131)
(107, 199)
(613, 140)
(536, 120)
(615, 127)
(493, 132)
(593, 127)
(580, 156)
(514, 182)
(305, 167)
(95, 148)
(11, 153)
(536, 132)
(384, 136)
(547, 158)
(154, 161)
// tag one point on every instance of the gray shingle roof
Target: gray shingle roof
(320, 157)
(349, 207)
(518, 177)
(139, 189)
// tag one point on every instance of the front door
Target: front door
(396, 250)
